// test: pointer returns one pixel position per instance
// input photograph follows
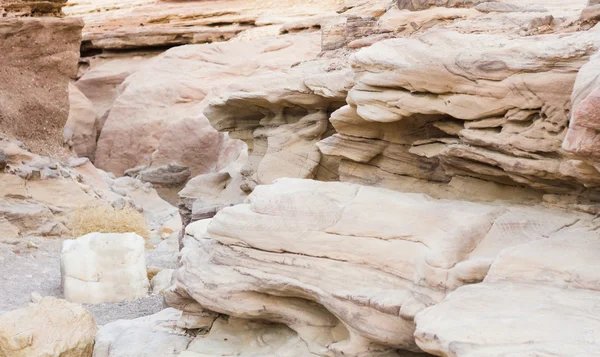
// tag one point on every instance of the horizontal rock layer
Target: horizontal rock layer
(348, 267)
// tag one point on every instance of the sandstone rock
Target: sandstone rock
(237, 337)
(33, 91)
(81, 130)
(101, 83)
(415, 5)
(50, 328)
(26, 8)
(154, 335)
(112, 24)
(161, 122)
(478, 107)
(104, 267)
(281, 116)
(545, 293)
(303, 253)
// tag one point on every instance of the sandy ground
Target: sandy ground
(25, 269)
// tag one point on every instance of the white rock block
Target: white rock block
(104, 267)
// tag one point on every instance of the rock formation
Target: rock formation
(104, 267)
(161, 123)
(34, 102)
(49, 327)
(305, 254)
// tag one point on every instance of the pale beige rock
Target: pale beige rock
(104, 267)
(81, 130)
(305, 254)
(154, 335)
(480, 106)
(281, 116)
(161, 281)
(538, 298)
(237, 337)
(50, 328)
(160, 122)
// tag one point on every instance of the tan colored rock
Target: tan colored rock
(538, 298)
(304, 253)
(479, 106)
(281, 116)
(81, 130)
(154, 335)
(415, 5)
(160, 122)
(144, 24)
(34, 79)
(50, 328)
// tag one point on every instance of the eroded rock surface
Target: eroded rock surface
(160, 122)
(304, 253)
(49, 328)
(34, 102)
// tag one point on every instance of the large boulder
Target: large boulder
(49, 328)
(104, 267)
(157, 119)
(306, 254)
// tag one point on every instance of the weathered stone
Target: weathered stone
(81, 129)
(50, 328)
(104, 267)
(34, 79)
(304, 253)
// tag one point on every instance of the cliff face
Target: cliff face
(39, 54)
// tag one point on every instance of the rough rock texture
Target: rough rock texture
(281, 116)
(81, 129)
(415, 5)
(39, 195)
(481, 106)
(539, 298)
(104, 267)
(157, 119)
(26, 8)
(304, 253)
(582, 137)
(49, 328)
(34, 101)
(145, 24)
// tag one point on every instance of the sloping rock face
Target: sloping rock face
(304, 253)
(50, 327)
(38, 56)
(160, 122)
(481, 106)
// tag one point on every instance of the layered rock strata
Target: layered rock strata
(304, 253)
